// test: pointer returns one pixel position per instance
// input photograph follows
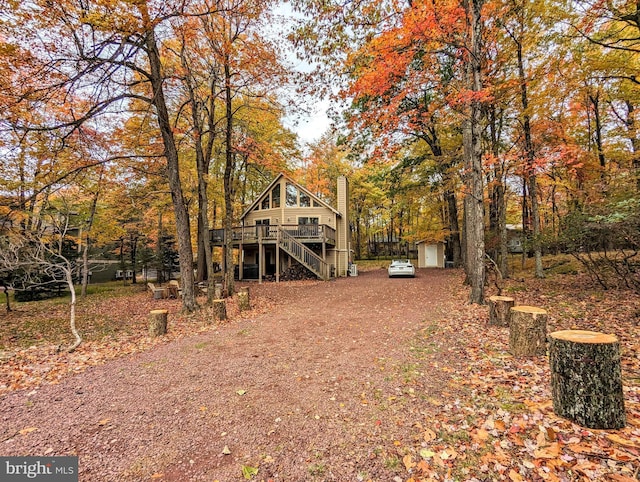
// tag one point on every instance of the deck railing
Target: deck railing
(304, 255)
(302, 232)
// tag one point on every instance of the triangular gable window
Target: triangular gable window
(292, 195)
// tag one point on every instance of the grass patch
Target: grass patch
(392, 462)
(316, 470)
(380, 263)
(47, 321)
(453, 438)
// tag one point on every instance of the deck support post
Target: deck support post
(278, 257)
(260, 256)
(241, 255)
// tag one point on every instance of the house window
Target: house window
(265, 202)
(275, 196)
(292, 195)
(305, 200)
(308, 220)
(260, 230)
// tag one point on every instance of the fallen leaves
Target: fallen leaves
(490, 418)
(248, 472)
(111, 325)
(506, 429)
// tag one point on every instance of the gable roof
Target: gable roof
(288, 179)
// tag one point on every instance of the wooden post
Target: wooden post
(260, 255)
(500, 310)
(528, 331)
(586, 378)
(243, 299)
(220, 309)
(278, 255)
(157, 322)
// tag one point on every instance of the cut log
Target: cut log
(157, 322)
(220, 309)
(500, 310)
(586, 378)
(217, 291)
(528, 331)
(243, 299)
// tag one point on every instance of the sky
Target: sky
(310, 127)
(311, 121)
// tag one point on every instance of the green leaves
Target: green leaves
(248, 472)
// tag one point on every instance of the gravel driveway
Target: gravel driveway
(319, 388)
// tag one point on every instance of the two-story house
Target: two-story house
(288, 224)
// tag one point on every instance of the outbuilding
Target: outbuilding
(430, 254)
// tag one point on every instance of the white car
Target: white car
(401, 267)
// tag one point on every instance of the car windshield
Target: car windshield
(400, 261)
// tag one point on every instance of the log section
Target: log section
(244, 303)
(157, 322)
(220, 309)
(500, 310)
(586, 378)
(528, 331)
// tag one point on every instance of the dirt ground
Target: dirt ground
(329, 381)
(296, 392)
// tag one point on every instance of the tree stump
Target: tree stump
(157, 322)
(586, 378)
(220, 309)
(243, 299)
(217, 291)
(500, 310)
(528, 331)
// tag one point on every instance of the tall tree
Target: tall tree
(472, 141)
(107, 55)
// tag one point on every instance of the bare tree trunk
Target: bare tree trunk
(183, 229)
(87, 244)
(498, 209)
(530, 168)
(228, 183)
(595, 102)
(472, 140)
(133, 256)
(632, 132)
(6, 294)
(454, 228)
(72, 308)
(203, 158)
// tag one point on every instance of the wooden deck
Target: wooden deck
(268, 234)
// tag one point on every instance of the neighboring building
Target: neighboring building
(384, 244)
(514, 238)
(431, 254)
(289, 225)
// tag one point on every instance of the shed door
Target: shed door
(431, 255)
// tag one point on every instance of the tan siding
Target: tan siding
(291, 215)
(343, 241)
(324, 215)
(270, 214)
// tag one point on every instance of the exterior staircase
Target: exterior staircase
(303, 255)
